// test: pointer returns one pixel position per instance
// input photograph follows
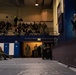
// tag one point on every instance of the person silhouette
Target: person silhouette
(27, 48)
(4, 55)
(15, 21)
(73, 21)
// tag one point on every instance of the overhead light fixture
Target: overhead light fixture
(36, 4)
(38, 39)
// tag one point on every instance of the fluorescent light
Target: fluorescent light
(39, 39)
(36, 4)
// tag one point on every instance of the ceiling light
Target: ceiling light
(39, 39)
(36, 4)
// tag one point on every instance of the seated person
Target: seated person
(2, 54)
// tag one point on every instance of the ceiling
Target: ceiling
(22, 3)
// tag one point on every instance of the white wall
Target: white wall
(47, 15)
(27, 13)
(10, 12)
(30, 13)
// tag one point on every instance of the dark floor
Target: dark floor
(33, 66)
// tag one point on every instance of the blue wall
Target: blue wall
(12, 49)
(66, 52)
(12, 39)
(69, 11)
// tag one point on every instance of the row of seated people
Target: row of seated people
(24, 28)
(4, 27)
(31, 29)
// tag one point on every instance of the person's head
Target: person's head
(74, 15)
(26, 44)
(35, 44)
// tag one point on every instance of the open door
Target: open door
(32, 45)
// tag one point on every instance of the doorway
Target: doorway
(32, 45)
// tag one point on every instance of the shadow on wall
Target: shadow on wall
(66, 53)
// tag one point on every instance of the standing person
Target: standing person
(15, 21)
(39, 51)
(27, 49)
(35, 47)
(35, 50)
(43, 51)
(49, 55)
(74, 23)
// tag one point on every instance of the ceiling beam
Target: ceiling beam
(13, 2)
(42, 2)
(23, 3)
(51, 3)
(7, 3)
(46, 7)
(18, 2)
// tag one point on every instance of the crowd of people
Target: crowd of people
(31, 29)
(43, 51)
(4, 27)
(24, 28)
